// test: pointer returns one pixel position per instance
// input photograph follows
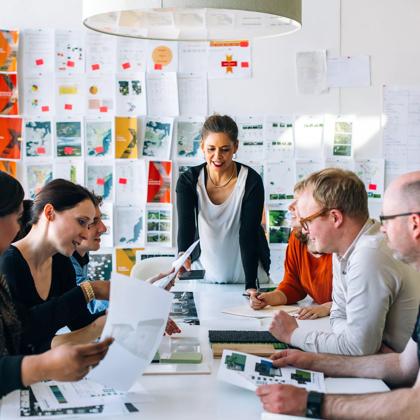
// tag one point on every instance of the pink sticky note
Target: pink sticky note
(45, 108)
(100, 181)
(244, 64)
(68, 107)
(103, 109)
(68, 150)
(95, 67)
(372, 187)
(99, 149)
(243, 43)
(40, 150)
(39, 62)
(158, 66)
(122, 181)
(70, 63)
(125, 66)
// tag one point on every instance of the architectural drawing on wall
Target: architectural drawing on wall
(343, 137)
(309, 137)
(372, 173)
(100, 53)
(162, 56)
(130, 182)
(192, 92)
(162, 94)
(9, 43)
(69, 54)
(126, 139)
(98, 134)
(129, 226)
(192, 57)
(279, 138)
(107, 216)
(38, 138)
(278, 227)
(99, 93)
(100, 266)
(69, 95)
(159, 225)
(280, 179)
(37, 176)
(68, 135)
(131, 55)
(38, 95)
(99, 178)
(304, 168)
(130, 94)
(341, 163)
(251, 139)
(38, 52)
(72, 170)
(9, 102)
(158, 138)
(10, 138)
(159, 182)
(229, 59)
(188, 138)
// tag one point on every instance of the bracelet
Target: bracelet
(314, 404)
(88, 289)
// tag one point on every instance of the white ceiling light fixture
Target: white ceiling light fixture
(193, 20)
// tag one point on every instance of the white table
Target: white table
(193, 397)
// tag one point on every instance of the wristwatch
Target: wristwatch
(314, 404)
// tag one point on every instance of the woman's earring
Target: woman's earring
(234, 156)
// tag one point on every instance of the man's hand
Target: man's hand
(172, 327)
(314, 312)
(285, 399)
(256, 300)
(282, 326)
(292, 357)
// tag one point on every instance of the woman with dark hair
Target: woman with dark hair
(38, 270)
(64, 363)
(221, 202)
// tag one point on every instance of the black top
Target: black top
(41, 319)
(416, 335)
(252, 240)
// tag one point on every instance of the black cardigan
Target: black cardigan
(252, 240)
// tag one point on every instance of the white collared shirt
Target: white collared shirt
(375, 299)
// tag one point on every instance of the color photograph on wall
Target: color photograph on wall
(159, 182)
(126, 140)
(38, 138)
(98, 138)
(9, 42)
(10, 138)
(9, 102)
(68, 138)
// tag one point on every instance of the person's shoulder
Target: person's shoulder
(253, 177)
(61, 260)
(11, 255)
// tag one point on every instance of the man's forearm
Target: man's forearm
(401, 404)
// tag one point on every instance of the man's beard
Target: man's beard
(304, 239)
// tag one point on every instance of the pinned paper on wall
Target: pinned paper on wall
(99, 93)
(251, 139)
(100, 53)
(311, 72)
(309, 137)
(372, 173)
(162, 56)
(348, 71)
(343, 138)
(38, 54)
(192, 90)
(129, 226)
(68, 135)
(162, 94)
(159, 225)
(9, 43)
(107, 217)
(70, 95)
(131, 55)
(126, 138)
(131, 94)
(130, 182)
(37, 176)
(38, 138)
(193, 57)
(38, 96)
(303, 168)
(278, 226)
(72, 170)
(9, 97)
(10, 138)
(229, 59)
(280, 179)
(279, 138)
(159, 182)
(98, 134)
(188, 138)
(125, 259)
(69, 53)
(9, 166)
(99, 178)
(158, 138)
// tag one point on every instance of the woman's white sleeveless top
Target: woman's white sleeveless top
(218, 227)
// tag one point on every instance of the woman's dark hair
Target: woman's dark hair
(62, 195)
(11, 194)
(220, 124)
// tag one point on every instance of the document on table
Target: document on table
(249, 372)
(177, 264)
(137, 317)
(267, 312)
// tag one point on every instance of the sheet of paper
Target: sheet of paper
(126, 138)
(177, 264)
(280, 179)
(192, 90)
(68, 138)
(248, 371)
(279, 138)
(69, 51)
(251, 138)
(99, 137)
(99, 94)
(100, 179)
(162, 94)
(107, 216)
(348, 71)
(162, 56)
(38, 95)
(129, 226)
(309, 137)
(130, 182)
(131, 55)
(311, 72)
(137, 317)
(70, 95)
(131, 94)
(38, 138)
(159, 225)
(100, 53)
(158, 135)
(277, 255)
(9, 45)
(159, 182)
(70, 169)
(229, 59)
(303, 168)
(192, 57)
(188, 138)
(267, 312)
(372, 173)
(278, 226)
(11, 138)
(38, 51)
(342, 142)
(9, 96)
(37, 175)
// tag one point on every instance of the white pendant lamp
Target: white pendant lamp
(193, 20)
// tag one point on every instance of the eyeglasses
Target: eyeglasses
(383, 218)
(305, 220)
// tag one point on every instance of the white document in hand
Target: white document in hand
(249, 372)
(177, 264)
(137, 317)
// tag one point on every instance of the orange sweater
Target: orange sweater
(305, 274)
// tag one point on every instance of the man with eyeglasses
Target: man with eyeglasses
(375, 297)
(401, 225)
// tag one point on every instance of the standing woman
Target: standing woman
(38, 270)
(64, 363)
(221, 202)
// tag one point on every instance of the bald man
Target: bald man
(401, 225)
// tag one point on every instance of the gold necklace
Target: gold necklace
(226, 183)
